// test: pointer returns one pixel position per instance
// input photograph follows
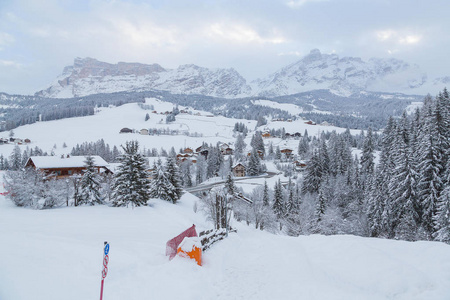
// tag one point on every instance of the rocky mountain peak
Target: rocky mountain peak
(315, 71)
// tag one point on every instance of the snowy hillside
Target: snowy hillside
(107, 123)
(315, 71)
(50, 254)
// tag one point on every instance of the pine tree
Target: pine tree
(430, 182)
(15, 159)
(367, 158)
(90, 186)
(313, 174)
(257, 142)
(239, 146)
(173, 175)
(266, 194)
(161, 187)
(230, 187)
(131, 186)
(278, 201)
(187, 176)
(278, 153)
(442, 217)
(254, 164)
(320, 206)
(303, 146)
(403, 186)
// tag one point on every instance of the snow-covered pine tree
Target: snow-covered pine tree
(173, 175)
(131, 186)
(200, 170)
(230, 187)
(15, 160)
(160, 186)
(367, 157)
(90, 185)
(186, 173)
(214, 162)
(313, 174)
(239, 146)
(254, 164)
(430, 181)
(442, 217)
(403, 186)
(266, 194)
(278, 153)
(257, 142)
(278, 201)
(303, 146)
(320, 206)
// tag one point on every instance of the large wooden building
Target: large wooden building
(65, 166)
(238, 170)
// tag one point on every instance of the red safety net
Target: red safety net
(172, 245)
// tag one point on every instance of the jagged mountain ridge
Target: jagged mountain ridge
(316, 71)
(89, 76)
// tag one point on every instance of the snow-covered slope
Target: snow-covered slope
(57, 254)
(89, 76)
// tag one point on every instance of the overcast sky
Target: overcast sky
(256, 37)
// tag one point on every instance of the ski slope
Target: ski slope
(57, 254)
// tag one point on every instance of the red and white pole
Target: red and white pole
(105, 267)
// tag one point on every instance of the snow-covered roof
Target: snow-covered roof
(237, 164)
(49, 162)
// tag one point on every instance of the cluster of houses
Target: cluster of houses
(13, 140)
(189, 154)
(267, 134)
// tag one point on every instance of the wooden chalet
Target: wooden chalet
(287, 152)
(238, 170)
(266, 135)
(299, 165)
(65, 166)
(227, 151)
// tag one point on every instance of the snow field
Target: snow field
(57, 253)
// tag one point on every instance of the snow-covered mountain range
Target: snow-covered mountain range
(316, 71)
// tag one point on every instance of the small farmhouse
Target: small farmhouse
(143, 131)
(125, 130)
(62, 167)
(238, 170)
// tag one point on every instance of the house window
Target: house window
(70, 172)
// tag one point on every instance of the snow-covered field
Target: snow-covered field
(57, 254)
(107, 123)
